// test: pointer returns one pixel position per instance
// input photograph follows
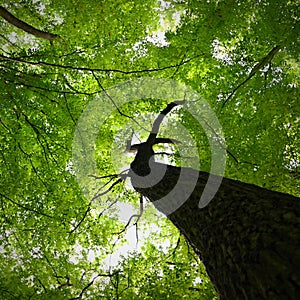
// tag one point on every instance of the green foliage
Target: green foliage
(54, 242)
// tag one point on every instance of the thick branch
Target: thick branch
(144, 150)
(157, 141)
(26, 27)
(166, 141)
(155, 128)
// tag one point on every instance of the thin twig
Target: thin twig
(26, 207)
(82, 219)
(46, 64)
(219, 141)
(115, 105)
(91, 283)
(138, 216)
(267, 59)
(108, 190)
(107, 208)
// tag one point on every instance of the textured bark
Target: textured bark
(247, 237)
(26, 27)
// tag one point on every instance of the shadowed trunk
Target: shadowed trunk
(247, 237)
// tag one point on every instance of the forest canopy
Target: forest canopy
(56, 239)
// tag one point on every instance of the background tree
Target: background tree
(54, 243)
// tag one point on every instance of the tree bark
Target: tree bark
(247, 237)
(26, 27)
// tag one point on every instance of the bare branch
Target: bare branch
(90, 203)
(121, 174)
(145, 150)
(112, 177)
(157, 141)
(166, 141)
(176, 247)
(107, 208)
(26, 27)
(173, 154)
(106, 176)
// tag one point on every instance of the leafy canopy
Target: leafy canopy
(56, 243)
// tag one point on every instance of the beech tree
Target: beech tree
(65, 226)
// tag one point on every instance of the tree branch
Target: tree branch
(145, 150)
(114, 103)
(26, 27)
(108, 190)
(82, 219)
(155, 128)
(26, 207)
(110, 275)
(254, 70)
(137, 216)
(86, 69)
(166, 141)
(156, 141)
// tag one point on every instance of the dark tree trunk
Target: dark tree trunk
(247, 237)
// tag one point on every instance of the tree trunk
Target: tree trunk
(247, 237)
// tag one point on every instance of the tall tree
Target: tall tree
(247, 237)
(56, 240)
